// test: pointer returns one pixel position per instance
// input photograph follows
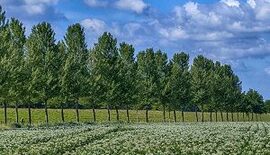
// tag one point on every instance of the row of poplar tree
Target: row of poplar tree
(37, 69)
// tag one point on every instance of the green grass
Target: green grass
(86, 115)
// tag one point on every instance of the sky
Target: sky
(235, 32)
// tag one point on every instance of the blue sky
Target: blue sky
(236, 32)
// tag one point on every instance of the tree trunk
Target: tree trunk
(109, 113)
(146, 116)
(221, 115)
(128, 114)
(252, 116)
(77, 111)
(216, 115)
(196, 113)
(164, 113)
(5, 112)
(17, 112)
(29, 114)
(183, 117)
(238, 116)
(227, 116)
(117, 113)
(94, 114)
(174, 115)
(232, 116)
(243, 116)
(202, 114)
(46, 112)
(256, 115)
(211, 119)
(62, 113)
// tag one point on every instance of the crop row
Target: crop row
(184, 138)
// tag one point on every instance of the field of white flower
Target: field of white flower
(184, 138)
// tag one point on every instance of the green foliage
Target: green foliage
(217, 87)
(4, 42)
(254, 101)
(127, 75)
(42, 61)
(162, 72)
(201, 73)
(17, 74)
(36, 70)
(179, 81)
(147, 77)
(74, 71)
(104, 71)
(267, 106)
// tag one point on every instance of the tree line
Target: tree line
(39, 71)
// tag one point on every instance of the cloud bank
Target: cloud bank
(227, 29)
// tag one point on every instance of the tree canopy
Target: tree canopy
(38, 70)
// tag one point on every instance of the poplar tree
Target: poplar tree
(255, 102)
(104, 70)
(244, 105)
(200, 81)
(4, 33)
(17, 74)
(4, 43)
(94, 89)
(216, 90)
(62, 58)
(73, 80)
(147, 78)
(179, 83)
(161, 62)
(233, 94)
(267, 106)
(127, 75)
(210, 102)
(42, 61)
(227, 86)
(37, 69)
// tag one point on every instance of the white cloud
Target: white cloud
(132, 28)
(179, 13)
(173, 33)
(223, 29)
(213, 18)
(31, 7)
(235, 51)
(262, 9)
(95, 25)
(213, 36)
(236, 26)
(137, 6)
(252, 3)
(192, 8)
(267, 70)
(197, 17)
(231, 3)
(34, 9)
(49, 2)
(96, 3)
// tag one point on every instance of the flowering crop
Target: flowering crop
(184, 138)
